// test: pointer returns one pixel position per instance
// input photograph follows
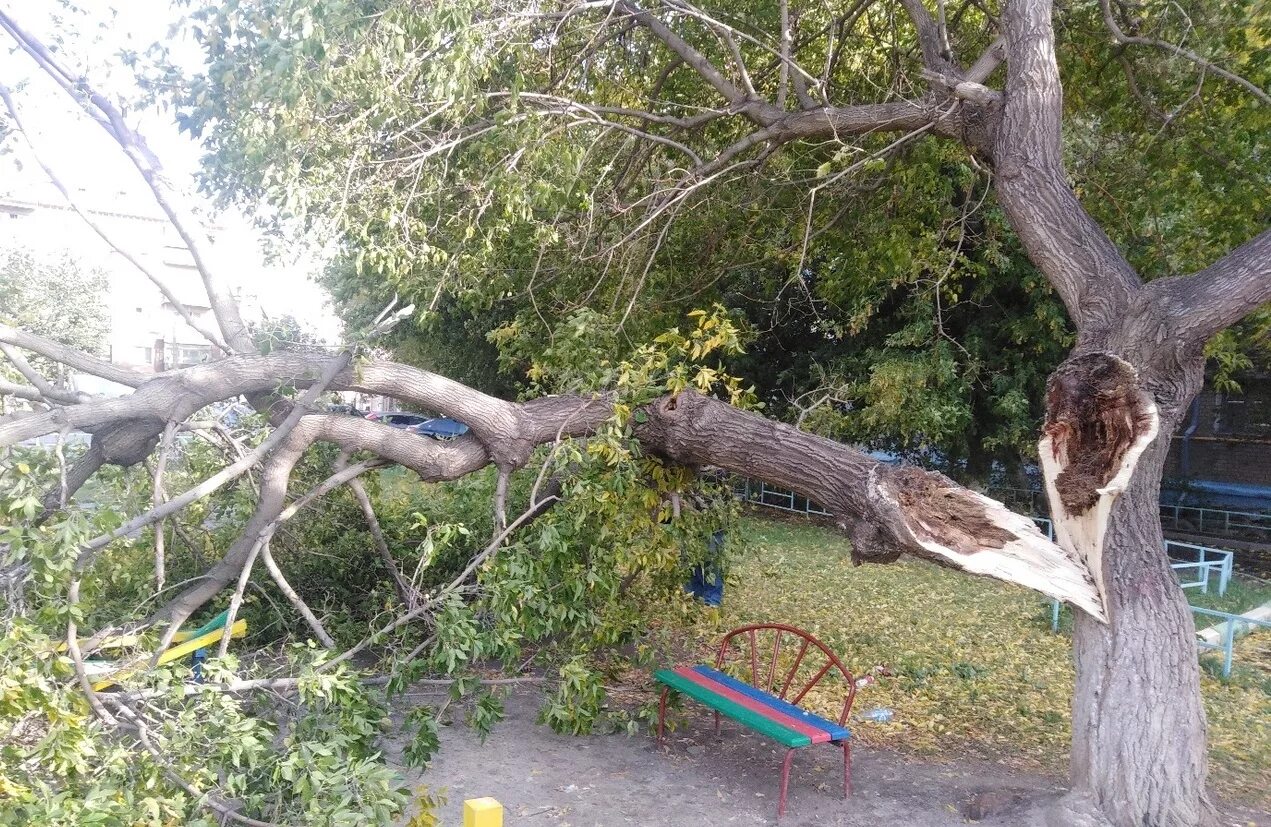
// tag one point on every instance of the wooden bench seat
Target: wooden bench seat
(762, 705)
(761, 711)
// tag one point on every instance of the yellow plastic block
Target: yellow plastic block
(482, 812)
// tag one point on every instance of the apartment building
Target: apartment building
(146, 331)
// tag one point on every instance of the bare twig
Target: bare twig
(236, 600)
(1209, 66)
(37, 379)
(158, 496)
(96, 227)
(405, 591)
(501, 500)
(108, 117)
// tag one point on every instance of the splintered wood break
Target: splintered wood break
(967, 530)
(1098, 423)
(935, 509)
(1094, 412)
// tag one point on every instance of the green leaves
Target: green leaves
(421, 722)
(576, 704)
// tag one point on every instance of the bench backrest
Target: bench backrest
(759, 648)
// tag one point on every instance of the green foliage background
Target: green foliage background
(423, 138)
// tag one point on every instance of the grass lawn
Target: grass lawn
(977, 668)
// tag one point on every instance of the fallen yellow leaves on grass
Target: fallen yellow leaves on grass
(977, 669)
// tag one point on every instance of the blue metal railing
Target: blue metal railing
(1178, 517)
(1207, 561)
(1233, 623)
(1200, 519)
(760, 493)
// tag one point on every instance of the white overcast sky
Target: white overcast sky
(87, 161)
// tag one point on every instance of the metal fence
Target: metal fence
(1249, 525)
(760, 493)
(1252, 525)
(1207, 561)
(1231, 626)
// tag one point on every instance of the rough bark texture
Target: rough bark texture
(1138, 751)
(885, 511)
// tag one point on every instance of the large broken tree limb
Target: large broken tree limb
(88, 550)
(885, 511)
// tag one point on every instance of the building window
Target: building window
(183, 356)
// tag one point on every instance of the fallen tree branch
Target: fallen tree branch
(235, 601)
(69, 356)
(406, 593)
(165, 448)
(292, 597)
(89, 549)
(37, 379)
(294, 684)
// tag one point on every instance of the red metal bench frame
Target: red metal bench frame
(765, 680)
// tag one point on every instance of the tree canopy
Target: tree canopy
(504, 168)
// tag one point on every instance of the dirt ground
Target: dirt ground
(699, 780)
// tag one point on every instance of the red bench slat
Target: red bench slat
(836, 732)
(816, 734)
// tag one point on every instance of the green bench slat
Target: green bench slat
(733, 710)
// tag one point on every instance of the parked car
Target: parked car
(397, 419)
(440, 428)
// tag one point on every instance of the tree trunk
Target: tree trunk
(1138, 723)
(1138, 719)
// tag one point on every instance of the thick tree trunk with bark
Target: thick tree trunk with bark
(1138, 722)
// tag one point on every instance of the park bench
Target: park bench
(768, 702)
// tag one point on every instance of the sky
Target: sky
(92, 165)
